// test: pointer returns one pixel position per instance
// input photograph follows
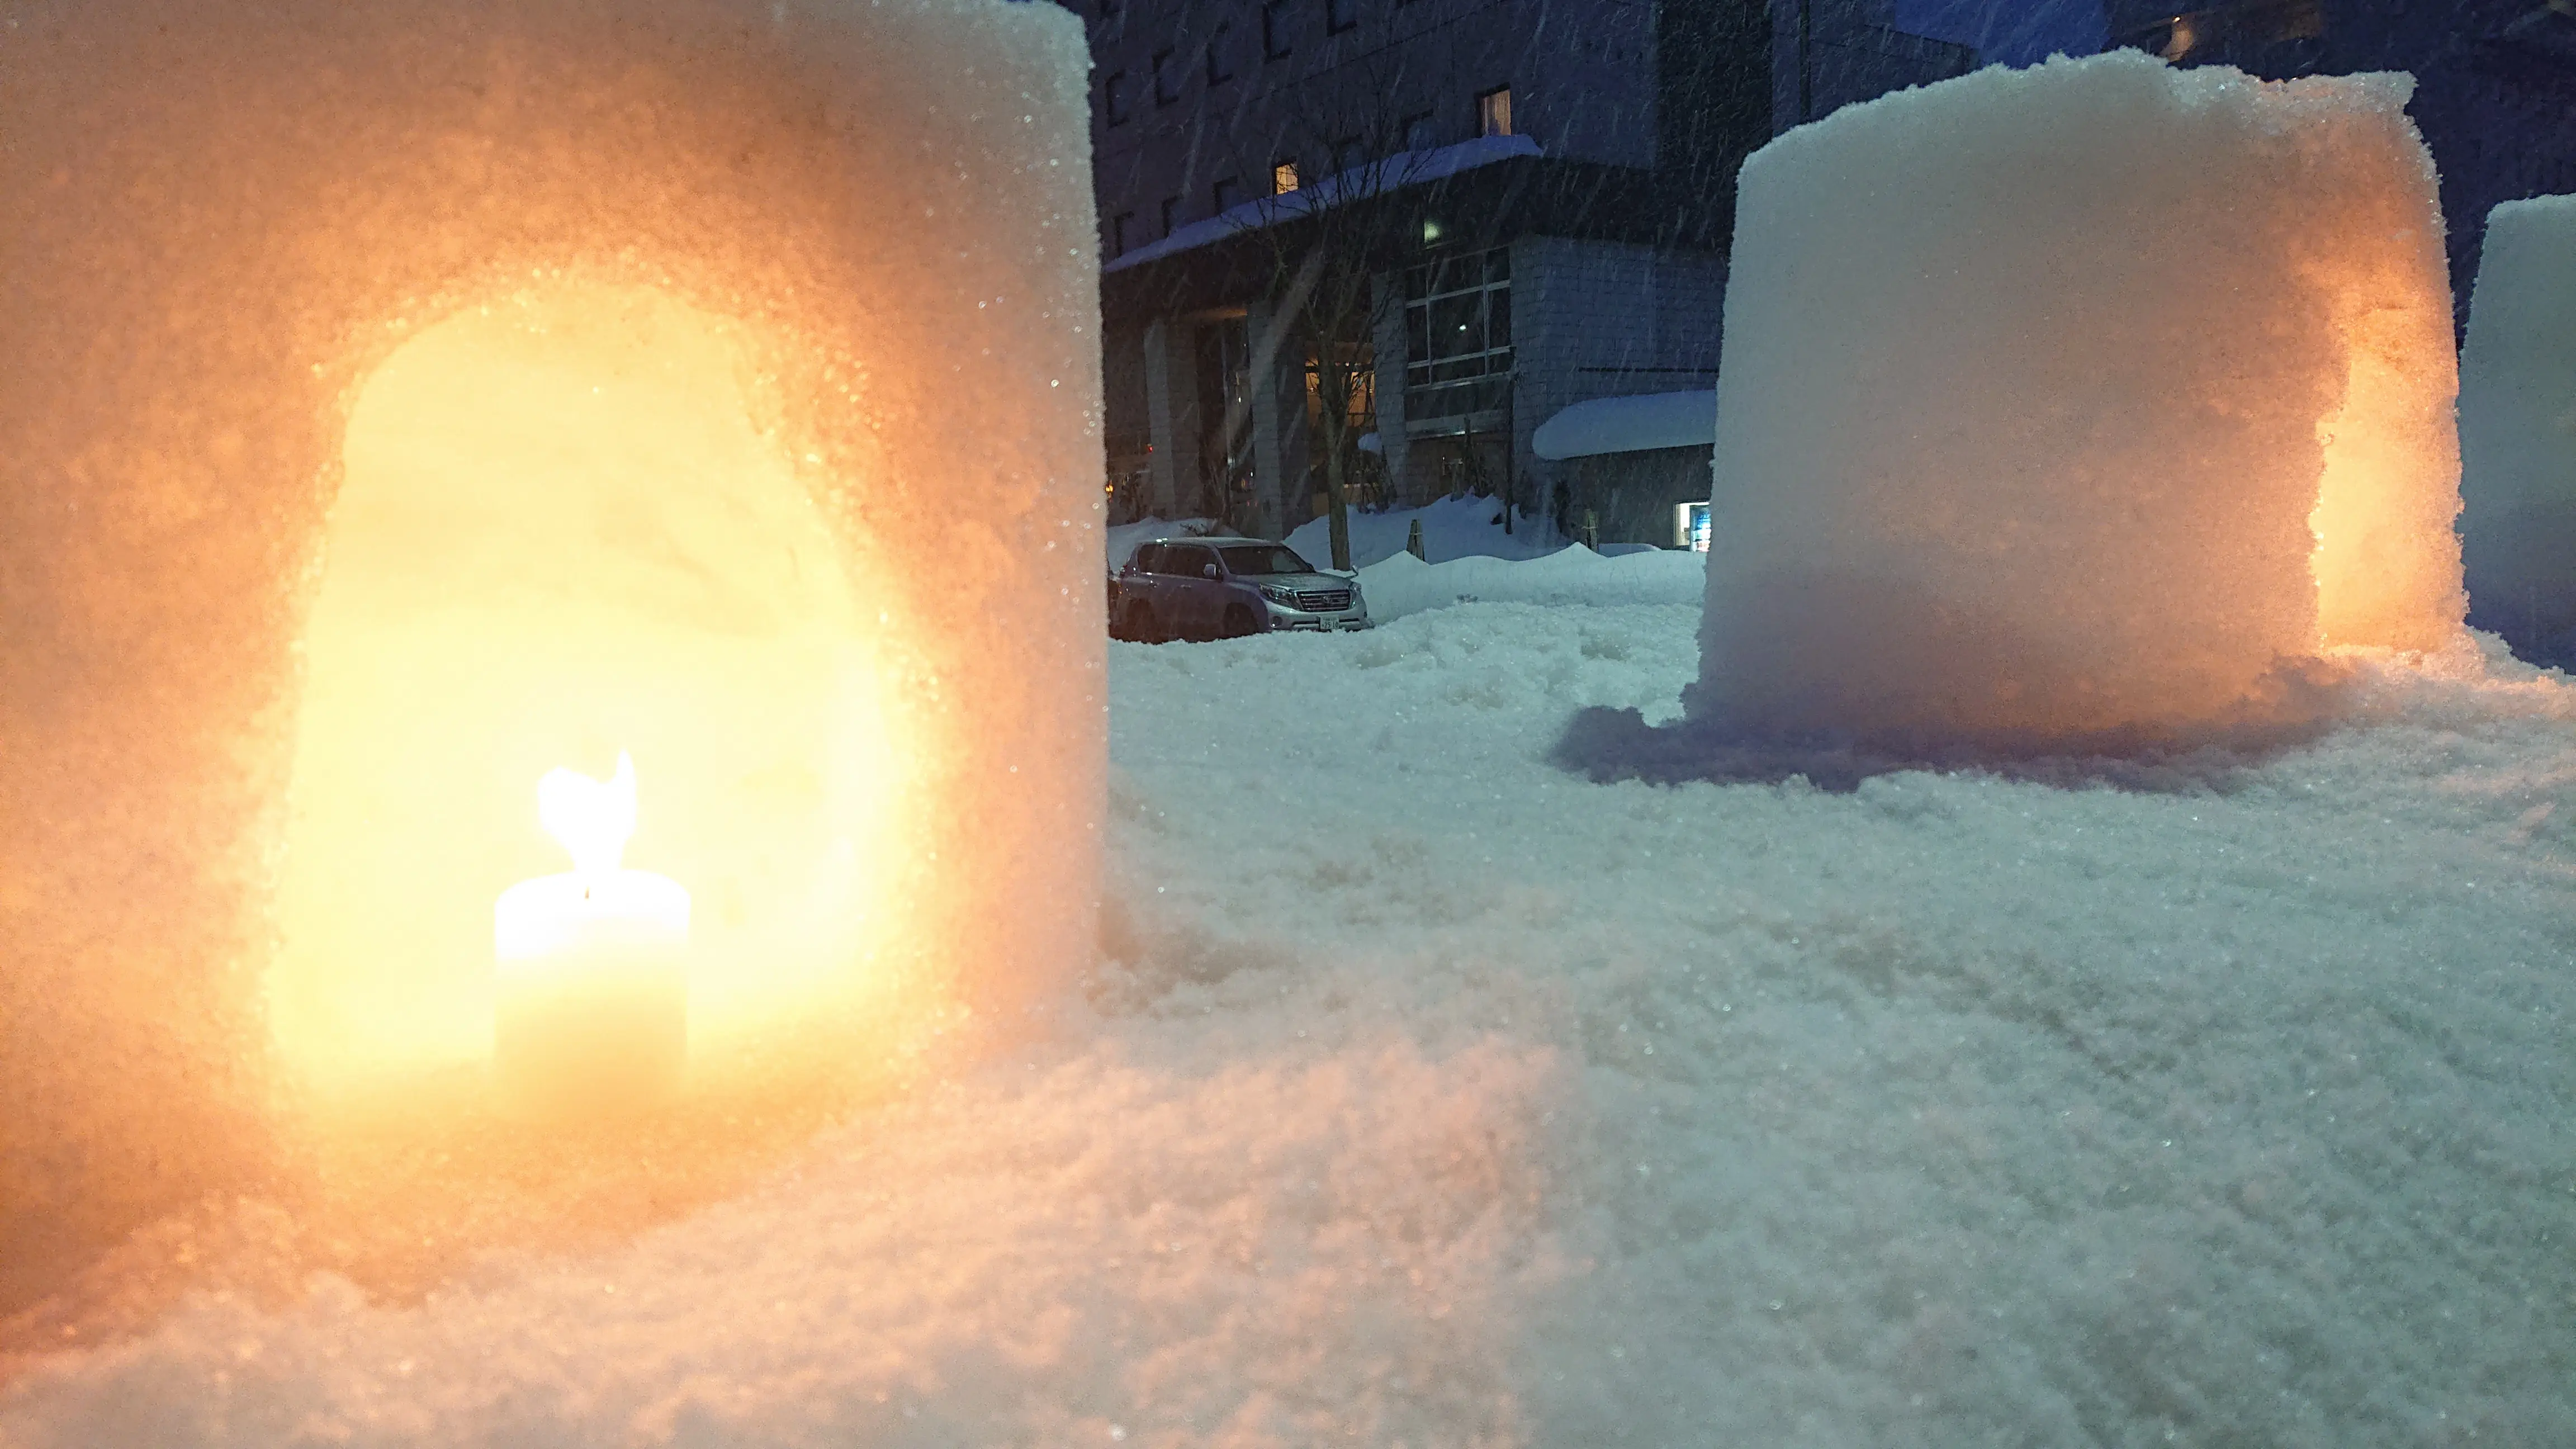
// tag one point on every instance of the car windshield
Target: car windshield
(1263, 558)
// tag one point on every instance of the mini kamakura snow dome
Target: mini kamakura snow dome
(405, 400)
(2076, 405)
(2518, 430)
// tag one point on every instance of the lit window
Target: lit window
(1113, 98)
(1166, 90)
(1341, 15)
(1220, 55)
(1283, 178)
(1274, 28)
(1494, 112)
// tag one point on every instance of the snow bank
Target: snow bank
(1451, 528)
(2518, 430)
(2082, 401)
(224, 225)
(1628, 425)
(1403, 584)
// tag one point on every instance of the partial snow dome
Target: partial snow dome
(406, 400)
(2080, 403)
(2518, 430)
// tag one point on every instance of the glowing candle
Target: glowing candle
(594, 993)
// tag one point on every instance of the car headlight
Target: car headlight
(1279, 593)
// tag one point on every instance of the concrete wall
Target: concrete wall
(1172, 414)
(1631, 495)
(1604, 319)
(1279, 485)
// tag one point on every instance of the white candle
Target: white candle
(593, 1002)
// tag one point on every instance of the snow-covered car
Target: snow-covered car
(1225, 588)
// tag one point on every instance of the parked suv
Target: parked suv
(1225, 588)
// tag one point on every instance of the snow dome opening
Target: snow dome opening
(560, 535)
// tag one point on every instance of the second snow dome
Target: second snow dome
(2086, 403)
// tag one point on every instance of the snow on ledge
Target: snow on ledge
(1629, 425)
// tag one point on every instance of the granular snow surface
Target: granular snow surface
(1429, 1095)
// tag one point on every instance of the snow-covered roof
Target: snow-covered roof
(1393, 173)
(1629, 425)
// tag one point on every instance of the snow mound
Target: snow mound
(1451, 528)
(2518, 430)
(1403, 584)
(2089, 401)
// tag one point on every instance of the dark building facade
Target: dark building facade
(1540, 193)
(2495, 83)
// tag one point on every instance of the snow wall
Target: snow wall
(2518, 430)
(862, 234)
(2081, 403)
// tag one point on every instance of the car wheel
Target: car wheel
(1238, 621)
(1142, 626)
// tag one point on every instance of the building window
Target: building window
(1349, 154)
(1283, 178)
(1494, 112)
(1166, 88)
(1274, 28)
(1458, 335)
(2235, 32)
(1419, 132)
(1220, 55)
(1122, 228)
(1171, 213)
(1228, 192)
(1113, 98)
(1341, 15)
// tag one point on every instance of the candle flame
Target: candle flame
(592, 818)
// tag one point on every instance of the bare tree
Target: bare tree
(1331, 224)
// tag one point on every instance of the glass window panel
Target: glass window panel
(1456, 326)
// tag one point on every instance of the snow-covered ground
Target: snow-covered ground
(1427, 1094)
(1471, 560)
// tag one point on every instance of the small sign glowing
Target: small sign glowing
(1690, 526)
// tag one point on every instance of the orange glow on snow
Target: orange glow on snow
(561, 534)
